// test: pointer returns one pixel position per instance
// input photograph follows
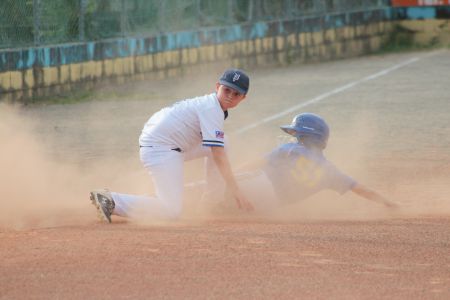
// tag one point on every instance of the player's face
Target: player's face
(228, 97)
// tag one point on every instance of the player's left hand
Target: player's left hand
(242, 202)
(390, 204)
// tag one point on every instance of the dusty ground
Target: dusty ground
(389, 130)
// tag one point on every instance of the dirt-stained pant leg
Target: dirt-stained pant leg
(255, 185)
(259, 191)
(165, 167)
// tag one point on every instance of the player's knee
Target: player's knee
(174, 215)
(173, 211)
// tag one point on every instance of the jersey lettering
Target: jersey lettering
(307, 172)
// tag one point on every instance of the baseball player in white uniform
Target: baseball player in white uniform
(189, 129)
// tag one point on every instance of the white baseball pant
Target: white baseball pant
(165, 167)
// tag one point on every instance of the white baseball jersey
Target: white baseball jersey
(186, 124)
(189, 125)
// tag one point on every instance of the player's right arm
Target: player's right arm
(256, 164)
(371, 195)
(221, 159)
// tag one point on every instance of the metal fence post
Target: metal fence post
(123, 19)
(230, 12)
(250, 11)
(161, 19)
(199, 14)
(81, 20)
(37, 22)
(287, 8)
(320, 6)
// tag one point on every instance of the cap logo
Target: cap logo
(236, 77)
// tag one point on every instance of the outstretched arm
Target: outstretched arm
(221, 160)
(371, 195)
(252, 165)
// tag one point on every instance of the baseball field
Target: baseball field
(389, 117)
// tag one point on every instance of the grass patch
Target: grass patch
(401, 39)
(67, 98)
(120, 92)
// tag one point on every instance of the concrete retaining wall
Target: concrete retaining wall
(39, 72)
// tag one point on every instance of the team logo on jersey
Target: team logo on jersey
(236, 77)
(307, 172)
(220, 134)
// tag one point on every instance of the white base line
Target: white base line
(326, 95)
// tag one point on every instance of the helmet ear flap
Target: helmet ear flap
(312, 141)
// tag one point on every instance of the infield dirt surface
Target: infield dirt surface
(389, 118)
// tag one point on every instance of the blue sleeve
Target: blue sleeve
(339, 181)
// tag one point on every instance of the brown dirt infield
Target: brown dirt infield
(390, 132)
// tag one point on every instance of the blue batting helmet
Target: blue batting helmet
(311, 127)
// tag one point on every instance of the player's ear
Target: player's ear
(217, 86)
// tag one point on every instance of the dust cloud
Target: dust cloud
(362, 150)
(34, 190)
(39, 190)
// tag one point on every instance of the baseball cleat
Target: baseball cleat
(104, 203)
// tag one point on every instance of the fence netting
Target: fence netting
(43, 22)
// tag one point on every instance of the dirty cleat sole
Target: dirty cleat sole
(102, 211)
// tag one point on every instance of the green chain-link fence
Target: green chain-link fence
(43, 22)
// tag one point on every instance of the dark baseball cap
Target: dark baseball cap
(235, 79)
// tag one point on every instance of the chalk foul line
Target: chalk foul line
(326, 95)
